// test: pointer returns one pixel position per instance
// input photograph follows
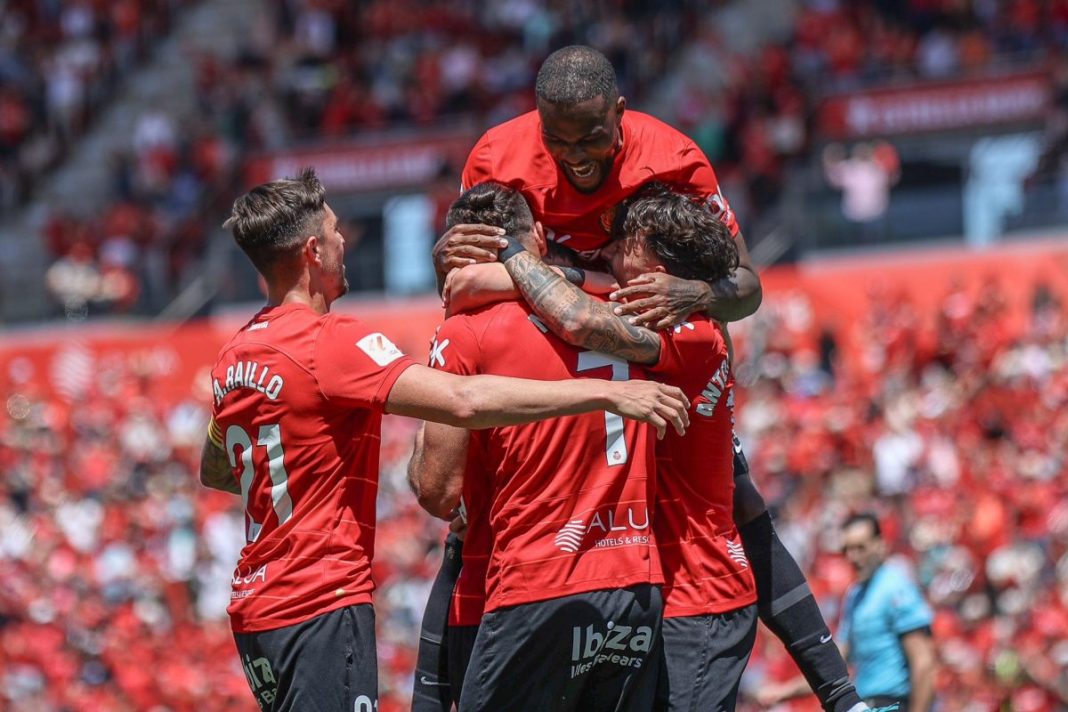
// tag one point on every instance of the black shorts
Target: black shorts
(703, 659)
(594, 652)
(435, 689)
(327, 663)
(460, 645)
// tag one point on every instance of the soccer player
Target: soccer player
(575, 159)
(709, 595)
(298, 398)
(559, 514)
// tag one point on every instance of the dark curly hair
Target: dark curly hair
(690, 241)
(492, 203)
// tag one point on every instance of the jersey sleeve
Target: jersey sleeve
(908, 610)
(356, 366)
(479, 166)
(686, 346)
(695, 175)
(455, 348)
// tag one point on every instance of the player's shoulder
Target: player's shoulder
(519, 135)
(697, 327)
(651, 132)
(895, 577)
(512, 152)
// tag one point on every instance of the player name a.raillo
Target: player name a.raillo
(248, 374)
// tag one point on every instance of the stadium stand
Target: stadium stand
(749, 83)
(936, 391)
(939, 400)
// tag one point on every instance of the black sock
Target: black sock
(789, 610)
(431, 692)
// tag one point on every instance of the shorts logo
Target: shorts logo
(737, 554)
(622, 645)
(569, 538)
(380, 349)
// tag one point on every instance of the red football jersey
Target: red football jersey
(705, 569)
(570, 498)
(513, 153)
(298, 400)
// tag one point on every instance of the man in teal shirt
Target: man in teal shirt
(886, 624)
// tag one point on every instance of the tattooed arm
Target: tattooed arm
(576, 317)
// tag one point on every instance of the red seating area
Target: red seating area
(320, 70)
(946, 411)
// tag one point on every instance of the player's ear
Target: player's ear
(312, 251)
(621, 106)
(539, 238)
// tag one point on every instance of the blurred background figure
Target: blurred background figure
(865, 179)
(886, 624)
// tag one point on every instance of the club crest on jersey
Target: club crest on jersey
(608, 218)
(380, 349)
(717, 205)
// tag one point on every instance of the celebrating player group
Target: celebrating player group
(608, 550)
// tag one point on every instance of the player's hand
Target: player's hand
(458, 527)
(446, 291)
(657, 300)
(466, 245)
(653, 403)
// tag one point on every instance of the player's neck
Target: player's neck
(280, 295)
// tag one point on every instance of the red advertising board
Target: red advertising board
(368, 165)
(972, 103)
(173, 361)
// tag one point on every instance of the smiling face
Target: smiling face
(583, 139)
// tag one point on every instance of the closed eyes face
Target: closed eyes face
(629, 257)
(583, 139)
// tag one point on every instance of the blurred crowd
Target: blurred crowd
(743, 79)
(952, 425)
(60, 61)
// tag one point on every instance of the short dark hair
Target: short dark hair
(865, 518)
(683, 233)
(576, 74)
(492, 203)
(274, 218)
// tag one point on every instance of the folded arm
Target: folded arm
(576, 317)
(660, 300)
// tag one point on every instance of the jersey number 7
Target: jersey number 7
(615, 448)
